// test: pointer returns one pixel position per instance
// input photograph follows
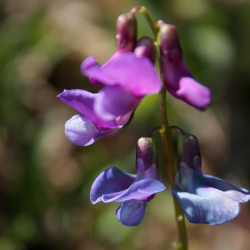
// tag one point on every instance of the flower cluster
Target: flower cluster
(125, 79)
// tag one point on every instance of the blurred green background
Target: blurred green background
(45, 179)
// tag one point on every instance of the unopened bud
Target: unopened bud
(188, 149)
(169, 41)
(126, 32)
(144, 152)
(145, 47)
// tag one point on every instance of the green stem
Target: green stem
(166, 138)
(170, 166)
(154, 27)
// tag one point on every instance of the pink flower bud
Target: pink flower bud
(126, 32)
(177, 77)
(145, 47)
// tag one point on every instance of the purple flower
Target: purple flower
(178, 79)
(204, 198)
(125, 78)
(133, 191)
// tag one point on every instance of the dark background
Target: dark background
(45, 179)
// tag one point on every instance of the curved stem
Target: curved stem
(154, 27)
(170, 166)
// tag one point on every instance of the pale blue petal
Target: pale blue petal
(207, 205)
(81, 130)
(232, 191)
(131, 213)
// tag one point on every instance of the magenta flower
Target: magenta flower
(126, 79)
(204, 198)
(178, 79)
(133, 191)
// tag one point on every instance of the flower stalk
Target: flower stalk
(154, 27)
(125, 79)
(171, 169)
(166, 135)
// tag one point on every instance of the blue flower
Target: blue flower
(204, 198)
(133, 191)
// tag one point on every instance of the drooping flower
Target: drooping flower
(178, 79)
(133, 191)
(204, 198)
(126, 78)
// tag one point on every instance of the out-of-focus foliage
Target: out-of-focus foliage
(45, 179)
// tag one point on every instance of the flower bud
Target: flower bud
(126, 32)
(169, 41)
(144, 152)
(177, 77)
(188, 150)
(145, 47)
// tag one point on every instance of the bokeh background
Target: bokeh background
(45, 180)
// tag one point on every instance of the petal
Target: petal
(208, 205)
(181, 84)
(232, 191)
(131, 213)
(114, 101)
(149, 173)
(83, 101)
(136, 74)
(193, 93)
(173, 71)
(139, 190)
(81, 131)
(188, 179)
(110, 181)
(90, 67)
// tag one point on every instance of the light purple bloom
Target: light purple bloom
(204, 198)
(133, 191)
(178, 79)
